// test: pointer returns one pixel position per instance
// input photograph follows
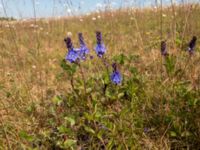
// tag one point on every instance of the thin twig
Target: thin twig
(83, 77)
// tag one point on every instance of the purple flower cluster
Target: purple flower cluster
(76, 54)
(72, 55)
(83, 48)
(190, 49)
(100, 47)
(116, 77)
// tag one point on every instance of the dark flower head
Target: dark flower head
(99, 37)
(192, 44)
(91, 57)
(164, 48)
(116, 77)
(68, 43)
(83, 48)
(100, 47)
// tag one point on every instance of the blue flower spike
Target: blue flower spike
(100, 47)
(116, 77)
(83, 48)
(191, 45)
(72, 55)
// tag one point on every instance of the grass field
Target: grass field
(48, 103)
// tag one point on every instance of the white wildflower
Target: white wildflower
(94, 19)
(34, 67)
(69, 34)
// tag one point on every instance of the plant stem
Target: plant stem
(83, 77)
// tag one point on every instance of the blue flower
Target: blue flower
(100, 50)
(100, 47)
(83, 48)
(116, 77)
(73, 54)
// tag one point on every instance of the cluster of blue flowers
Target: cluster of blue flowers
(116, 76)
(74, 55)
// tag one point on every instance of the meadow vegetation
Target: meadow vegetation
(48, 103)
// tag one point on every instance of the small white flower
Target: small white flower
(34, 67)
(99, 16)
(81, 20)
(94, 19)
(69, 34)
(164, 15)
(32, 25)
(69, 10)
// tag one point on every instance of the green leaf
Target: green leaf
(99, 135)
(178, 41)
(69, 68)
(120, 59)
(133, 70)
(24, 135)
(88, 129)
(120, 95)
(170, 63)
(71, 120)
(57, 100)
(69, 143)
(62, 129)
(185, 134)
(106, 78)
(173, 134)
(88, 116)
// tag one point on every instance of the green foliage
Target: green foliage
(25, 136)
(170, 63)
(69, 68)
(120, 59)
